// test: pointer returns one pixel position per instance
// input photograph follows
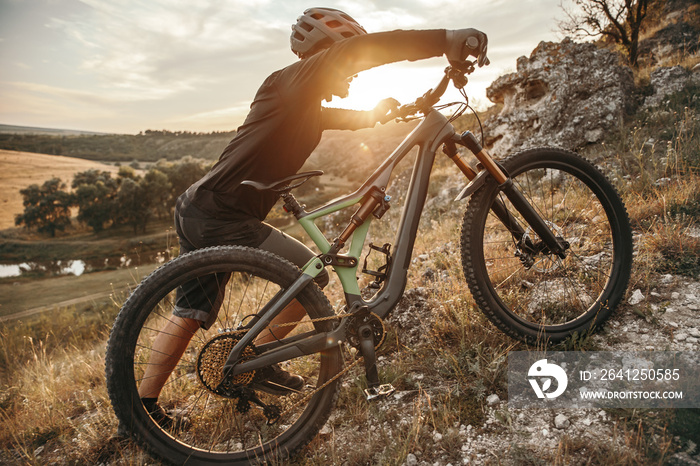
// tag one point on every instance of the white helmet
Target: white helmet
(319, 28)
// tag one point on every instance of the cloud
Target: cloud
(184, 62)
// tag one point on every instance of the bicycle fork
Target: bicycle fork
(490, 168)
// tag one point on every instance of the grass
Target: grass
(54, 406)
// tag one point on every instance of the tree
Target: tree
(182, 174)
(46, 207)
(133, 205)
(617, 20)
(94, 193)
(156, 188)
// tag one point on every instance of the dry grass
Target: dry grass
(54, 408)
(20, 169)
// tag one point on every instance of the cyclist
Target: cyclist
(283, 127)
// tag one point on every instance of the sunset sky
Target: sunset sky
(123, 66)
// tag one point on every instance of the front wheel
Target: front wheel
(238, 424)
(529, 293)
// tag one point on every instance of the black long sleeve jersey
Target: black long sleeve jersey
(286, 120)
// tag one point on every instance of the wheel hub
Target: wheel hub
(528, 250)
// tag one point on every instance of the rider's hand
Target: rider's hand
(385, 110)
(462, 43)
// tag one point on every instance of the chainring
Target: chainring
(356, 321)
(211, 360)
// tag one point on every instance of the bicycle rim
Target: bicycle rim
(216, 427)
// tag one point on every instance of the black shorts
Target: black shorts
(196, 230)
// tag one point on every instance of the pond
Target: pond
(73, 267)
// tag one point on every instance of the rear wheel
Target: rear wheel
(220, 426)
(527, 292)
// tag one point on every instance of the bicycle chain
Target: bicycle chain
(340, 373)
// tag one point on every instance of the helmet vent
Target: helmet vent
(306, 26)
(334, 24)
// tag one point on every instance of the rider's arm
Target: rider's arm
(359, 53)
(340, 118)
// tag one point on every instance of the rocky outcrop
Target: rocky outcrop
(566, 94)
(667, 81)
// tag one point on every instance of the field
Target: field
(446, 360)
(21, 169)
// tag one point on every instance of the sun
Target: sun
(405, 82)
(396, 80)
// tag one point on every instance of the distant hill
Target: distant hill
(148, 146)
(12, 129)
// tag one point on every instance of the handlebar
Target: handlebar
(456, 73)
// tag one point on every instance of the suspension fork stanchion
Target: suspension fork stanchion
(515, 196)
(498, 208)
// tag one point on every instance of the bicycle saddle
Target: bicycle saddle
(285, 184)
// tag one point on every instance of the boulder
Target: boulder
(565, 94)
(667, 81)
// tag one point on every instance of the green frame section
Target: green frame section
(347, 275)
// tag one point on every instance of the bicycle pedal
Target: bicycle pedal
(379, 392)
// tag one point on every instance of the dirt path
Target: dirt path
(37, 310)
(24, 298)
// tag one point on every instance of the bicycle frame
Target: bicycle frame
(433, 131)
(428, 135)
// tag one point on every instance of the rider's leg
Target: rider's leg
(167, 350)
(198, 302)
(289, 248)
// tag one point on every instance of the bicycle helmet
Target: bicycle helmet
(319, 28)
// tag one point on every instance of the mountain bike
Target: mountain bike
(546, 251)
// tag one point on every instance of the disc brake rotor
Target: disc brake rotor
(547, 264)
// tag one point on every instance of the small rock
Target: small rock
(492, 399)
(680, 336)
(694, 332)
(411, 460)
(675, 295)
(561, 421)
(636, 298)
(437, 436)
